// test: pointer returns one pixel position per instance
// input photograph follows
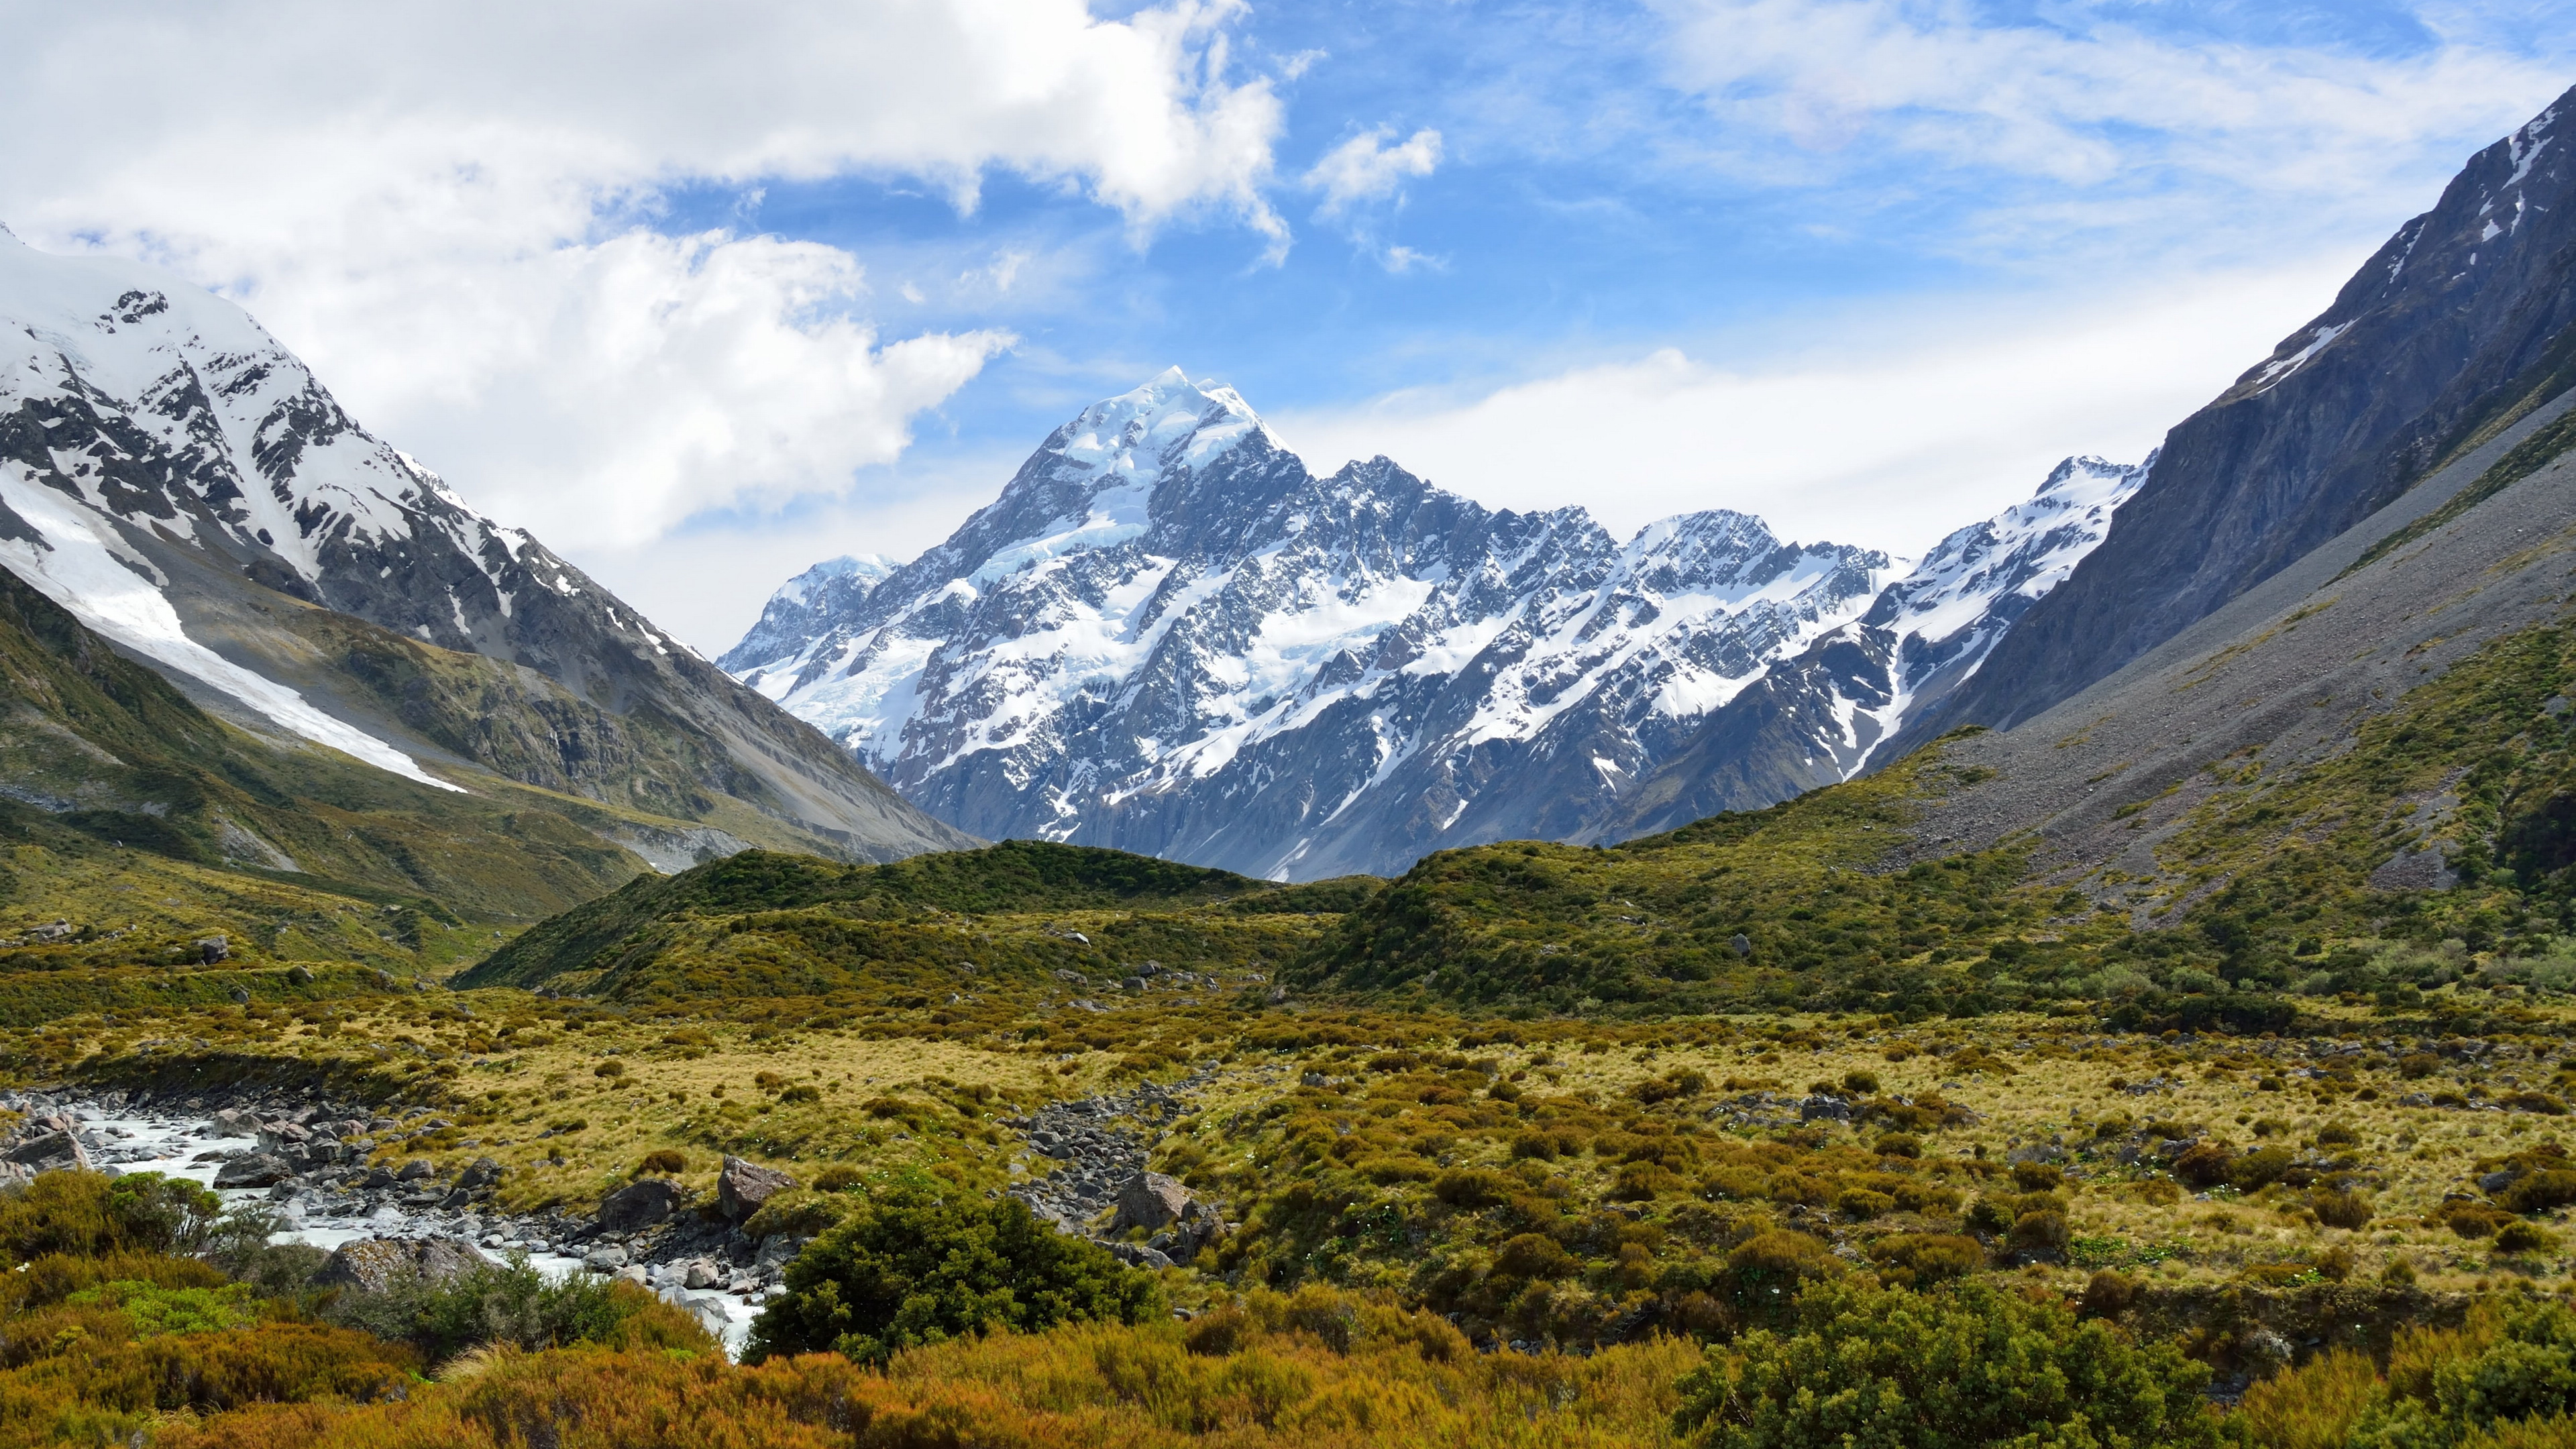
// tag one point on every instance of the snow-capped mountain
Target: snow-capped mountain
(1167, 635)
(184, 486)
(1822, 716)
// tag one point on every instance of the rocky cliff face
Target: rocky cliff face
(1827, 714)
(187, 488)
(2454, 330)
(1169, 636)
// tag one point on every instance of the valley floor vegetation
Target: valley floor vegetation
(1760, 1132)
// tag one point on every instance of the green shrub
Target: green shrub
(2259, 1168)
(919, 1267)
(1919, 1260)
(90, 1213)
(2521, 1237)
(2511, 1364)
(154, 1309)
(1961, 1368)
(514, 1304)
(2341, 1207)
(2540, 1192)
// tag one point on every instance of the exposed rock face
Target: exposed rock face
(374, 1264)
(179, 482)
(1150, 1201)
(640, 1204)
(2455, 328)
(1169, 636)
(743, 1186)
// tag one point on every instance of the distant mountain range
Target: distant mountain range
(187, 490)
(1169, 636)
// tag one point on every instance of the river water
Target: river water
(173, 1144)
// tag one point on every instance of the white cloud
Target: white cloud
(2096, 113)
(1909, 428)
(447, 209)
(1366, 169)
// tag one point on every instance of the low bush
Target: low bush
(919, 1267)
(1960, 1368)
(515, 1305)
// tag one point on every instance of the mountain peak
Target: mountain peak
(1168, 421)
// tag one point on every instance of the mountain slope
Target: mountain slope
(2458, 326)
(1825, 715)
(188, 489)
(1168, 636)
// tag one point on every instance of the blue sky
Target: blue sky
(702, 309)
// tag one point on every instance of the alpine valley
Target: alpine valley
(1444, 976)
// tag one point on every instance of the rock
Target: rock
(776, 1251)
(374, 1264)
(640, 1205)
(50, 1152)
(634, 1273)
(298, 976)
(2495, 1182)
(700, 1273)
(607, 1258)
(213, 950)
(414, 1170)
(1822, 1108)
(1742, 944)
(743, 1186)
(483, 1173)
(1137, 1256)
(1151, 1201)
(254, 1169)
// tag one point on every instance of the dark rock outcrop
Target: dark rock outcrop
(741, 1187)
(640, 1204)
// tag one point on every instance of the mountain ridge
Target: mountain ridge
(192, 492)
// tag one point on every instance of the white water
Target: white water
(169, 1145)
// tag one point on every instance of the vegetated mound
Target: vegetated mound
(844, 916)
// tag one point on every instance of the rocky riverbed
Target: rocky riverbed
(334, 1176)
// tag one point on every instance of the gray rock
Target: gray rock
(50, 1152)
(414, 1170)
(700, 1273)
(255, 1169)
(1151, 1201)
(374, 1264)
(606, 1258)
(1139, 1256)
(640, 1204)
(776, 1252)
(741, 1187)
(483, 1173)
(1823, 1108)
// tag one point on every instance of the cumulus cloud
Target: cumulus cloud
(453, 211)
(1890, 440)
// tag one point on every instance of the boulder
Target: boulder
(414, 1170)
(743, 1186)
(50, 1152)
(606, 1258)
(701, 1273)
(481, 1174)
(1151, 1201)
(640, 1205)
(254, 1169)
(372, 1265)
(1823, 1108)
